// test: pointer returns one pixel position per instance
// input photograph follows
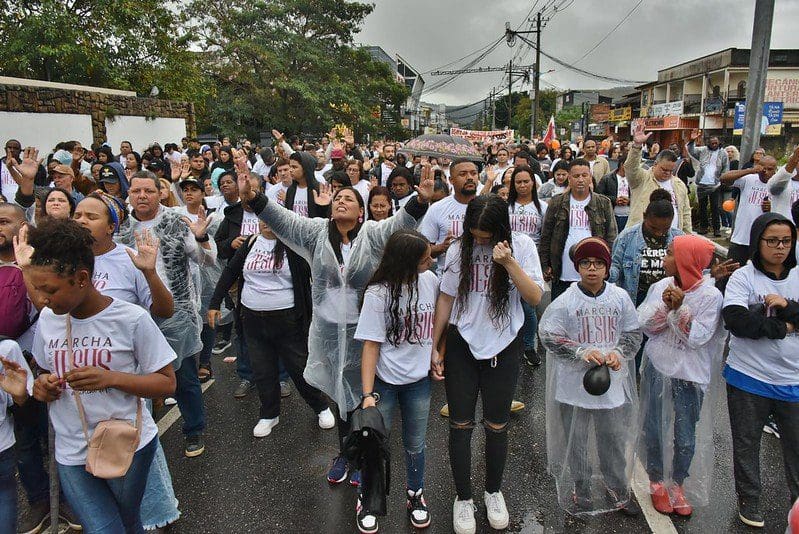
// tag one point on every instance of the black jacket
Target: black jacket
(309, 168)
(300, 276)
(752, 322)
(367, 448)
(609, 186)
(229, 229)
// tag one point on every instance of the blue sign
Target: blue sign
(772, 114)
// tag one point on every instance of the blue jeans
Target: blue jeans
(621, 222)
(159, 507)
(113, 505)
(414, 404)
(8, 491)
(530, 326)
(687, 399)
(190, 397)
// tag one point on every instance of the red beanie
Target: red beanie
(591, 247)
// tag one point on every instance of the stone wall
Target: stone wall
(100, 106)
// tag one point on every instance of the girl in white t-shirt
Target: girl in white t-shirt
(106, 350)
(487, 273)
(275, 312)
(396, 326)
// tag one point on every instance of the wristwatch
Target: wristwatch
(375, 396)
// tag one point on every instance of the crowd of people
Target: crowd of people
(362, 274)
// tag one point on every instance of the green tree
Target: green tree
(292, 65)
(120, 44)
(566, 116)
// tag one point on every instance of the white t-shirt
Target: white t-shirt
(7, 184)
(753, 193)
(773, 361)
(273, 191)
(668, 186)
(115, 276)
(266, 288)
(595, 322)
(363, 187)
(445, 216)
(709, 176)
(579, 229)
(485, 339)
(301, 201)
(385, 171)
(122, 338)
(11, 351)
(527, 220)
(408, 362)
(249, 223)
(622, 191)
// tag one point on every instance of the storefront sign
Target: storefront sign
(620, 114)
(667, 108)
(600, 112)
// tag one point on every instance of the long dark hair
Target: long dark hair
(399, 272)
(513, 195)
(333, 235)
(488, 214)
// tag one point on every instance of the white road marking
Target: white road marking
(174, 413)
(658, 523)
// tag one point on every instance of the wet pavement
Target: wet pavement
(277, 483)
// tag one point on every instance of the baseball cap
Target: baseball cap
(108, 175)
(337, 153)
(191, 180)
(64, 169)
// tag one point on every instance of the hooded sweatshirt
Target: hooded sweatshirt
(692, 255)
(308, 162)
(762, 357)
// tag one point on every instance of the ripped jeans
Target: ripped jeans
(414, 405)
(495, 381)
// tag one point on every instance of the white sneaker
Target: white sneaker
(463, 517)
(496, 510)
(264, 427)
(170, 401)
(326, 419)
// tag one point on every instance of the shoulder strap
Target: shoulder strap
(76, 393)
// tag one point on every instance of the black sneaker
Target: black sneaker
(367, 521)
(771, 427)
(581, 497)
(532, 357)
(34, 520)
(244, 387)
(195, 446)
(749, 515)
(66, 515)
(623, 501)
(221, 346)
(418, 514)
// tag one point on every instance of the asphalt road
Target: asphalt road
(277, 484)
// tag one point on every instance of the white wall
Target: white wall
(142, 132)
(45, 130)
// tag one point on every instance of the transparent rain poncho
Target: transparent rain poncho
(334, 356)
(176, 251)
(680, 385)
(590, 439)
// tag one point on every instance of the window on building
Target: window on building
(716, 91)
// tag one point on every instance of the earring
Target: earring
(360, 219)
(81, 284)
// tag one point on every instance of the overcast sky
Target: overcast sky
(431, 33)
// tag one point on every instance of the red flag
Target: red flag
(550, 133)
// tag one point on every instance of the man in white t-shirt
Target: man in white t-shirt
(277, 193)
(752, 202)
(444, 220)
(571, 217)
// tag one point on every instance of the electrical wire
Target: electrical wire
(616, 27)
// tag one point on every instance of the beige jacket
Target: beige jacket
(601, 168)
(642, 183)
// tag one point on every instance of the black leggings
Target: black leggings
(495, 380)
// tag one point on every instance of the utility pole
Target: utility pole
(493, 112)
(758, 70)
(510, 86)
(536, 74)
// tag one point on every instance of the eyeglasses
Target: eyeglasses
(586, 264)
(774, 242)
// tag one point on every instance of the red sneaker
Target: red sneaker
(679, 502)
(660, 498)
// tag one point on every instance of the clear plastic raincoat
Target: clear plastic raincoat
(176, 251)
(590, 439)
(334, 356)
(680, 384)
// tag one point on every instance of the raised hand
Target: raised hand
(199, 227)
(24, 173)
(427, 185)
(22, 250)
(147, 248)
(277, 135)
(185, 169)
(694, 135)
(14, 380)
(176, 172)
(722, 269)
(324, 197)
(639, 137)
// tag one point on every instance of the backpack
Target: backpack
(14, 304)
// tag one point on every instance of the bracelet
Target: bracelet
(203, 239)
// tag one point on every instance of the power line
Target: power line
(460, 59)
(616, 27)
